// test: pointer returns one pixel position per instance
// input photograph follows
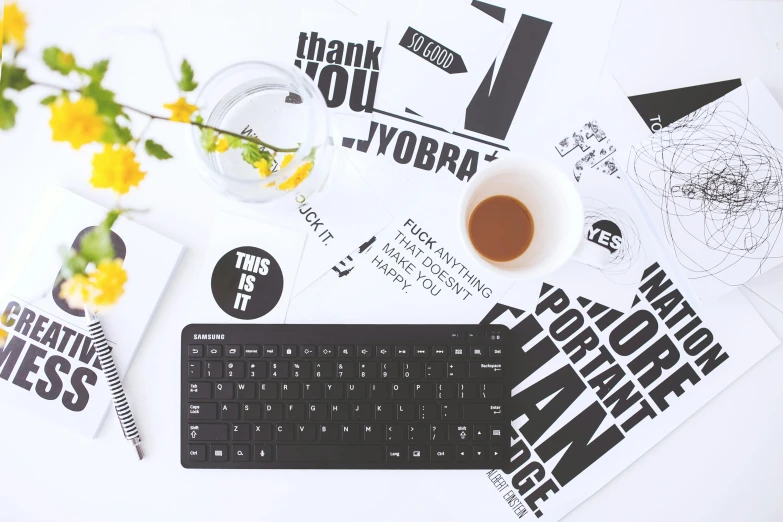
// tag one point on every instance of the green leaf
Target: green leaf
(73, 263)
(13, 77)
(59, 61)
(49, 100)
(208, 140)
(186, 83)
(156, 150)
(105, 100)
(8, 111)
(96, 246)
(98, 70)
(116, 133)
(251, 153)
(234, 142)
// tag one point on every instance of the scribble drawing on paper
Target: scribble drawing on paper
(597, 150)
(625, 244)
(718, 183)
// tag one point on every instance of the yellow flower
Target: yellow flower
(299, 176)
(222, 144)
(116, 168)
(14, 26)
(76, 122)
(181, 110)
(99, 289)
(3, 333)
(263, 168)
(286, 160)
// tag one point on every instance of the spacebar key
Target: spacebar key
(329, 453)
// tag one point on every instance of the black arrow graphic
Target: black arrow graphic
(428, 49)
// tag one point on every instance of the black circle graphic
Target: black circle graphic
(247, 283)
(605, 233)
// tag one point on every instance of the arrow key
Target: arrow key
(495, 453)
(463, 453)
(480, 453)
(479, 432)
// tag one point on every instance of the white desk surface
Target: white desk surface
(724, 464)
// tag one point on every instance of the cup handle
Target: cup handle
(592, 254)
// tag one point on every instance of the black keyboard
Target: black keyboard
(345, 396)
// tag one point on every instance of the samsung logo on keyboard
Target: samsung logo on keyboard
(208, 337)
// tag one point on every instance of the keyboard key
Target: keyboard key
(307, 350)
(195, 350)
(318, 412)
(214, 370)
(417, 453)
(200, 390)
(364, 350)
(449, 412)
(262, 453)
(224, 390)
(229, 411)
(482, 411)
(251, 351)
(194, 369)
(433, 370)
(401, 391)
(438, 432)
(346, 350)
(395, 454)
(478, 351)
(289, 350)
(202, 411)
(406, 411)
(496, 433)
(456, 370)
(326, 351)
(396, 432)
(218, 452)
(468, 391)
(334, 391)
(278, 369)
(295, 412)
(324, 370)
(428, 412)
(463, 453)
(480, 453)
(284, 432)
(368, 370)
(340, 411)
(233, 351)
(362, 411)
(491, 390)
(390, 370)
(444, 391)
(214, 350)
(356, 391)
(459, 432)
(379, 391)
(312, 390)
(479, 432)
(328, 432)
(240, 432)
(199, 432)
(459, 351)
(267, 390)
(306, 432)
(289, 391)
(374, 432)
(495, 453)
(235, 370)
(246, 390)
(421, 351)
(346, 370)
(351, 432)
(418, 432)
(270, 350)
(423, 391)
(482, 370)
(262, 432)
(496, 351)
(412, 370)
(240, 452)
(197, 452)
(440, 351)
(251, 411)
(383, 351)
(273, 411)
(384, 412)
(440, 453)
(402, 351)
(256, 370)
(342, 453)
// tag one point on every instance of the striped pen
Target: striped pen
(115, 385)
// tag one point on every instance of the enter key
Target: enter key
(482, 412)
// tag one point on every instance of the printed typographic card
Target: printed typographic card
(437, 54)
(48, 364)
(343, 56)
(248, 272)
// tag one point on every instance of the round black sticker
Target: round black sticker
(247, 283)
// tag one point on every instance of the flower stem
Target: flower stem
(191, 123)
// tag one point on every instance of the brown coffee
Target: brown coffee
(501, 228)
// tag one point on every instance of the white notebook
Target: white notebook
(47, 362)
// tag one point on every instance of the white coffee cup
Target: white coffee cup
(553, 202)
